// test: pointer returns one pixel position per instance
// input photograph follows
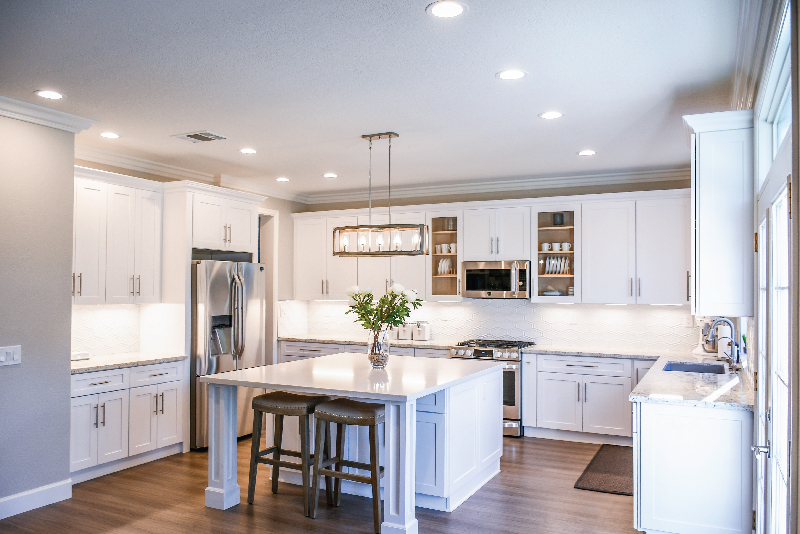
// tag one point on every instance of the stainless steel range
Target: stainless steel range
(509, 352)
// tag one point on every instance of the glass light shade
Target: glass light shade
(381, 240)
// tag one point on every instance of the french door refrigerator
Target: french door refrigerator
(228, 331)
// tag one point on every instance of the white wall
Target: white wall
(36, 196)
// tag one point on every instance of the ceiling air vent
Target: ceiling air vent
(196, 137)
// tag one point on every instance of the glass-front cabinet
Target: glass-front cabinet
(556, 245)
(443, 268)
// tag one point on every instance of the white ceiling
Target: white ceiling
(301, 81)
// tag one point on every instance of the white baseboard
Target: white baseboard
(35, 498)
(580, 437)
(124, 463)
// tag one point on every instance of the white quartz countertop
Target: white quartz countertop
(726, 391)
(599, 352)
(118, 361)
(432, 344)
(405, 377)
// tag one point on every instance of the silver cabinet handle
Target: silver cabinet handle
(156, 410)
(224, 233)
(387, 285)
(73, 284)
(160, 374)
(100, 383)
(311, 350)
(580, 365)
(688, 285)
(327, 287)
(104, 414)
(80, 284)
(230, 234)
(458, 286)
(162, 403)
(514, 273)
(631, 286)
(639, 281)
(579, 390)
(491, 245)
(322, 291)
(498, 244)
(133, 284)
(96, 413)
(139, 279)
(584, 391)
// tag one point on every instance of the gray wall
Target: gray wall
(285, 243)
(36, 192)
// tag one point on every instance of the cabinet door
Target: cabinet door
(606, 408)
(169, 410)
(242, 219)
(90, 241)
(609, 252)
(120, 234)
(148, 246)
(309, 259)
(340, 272)
(430, 461)
(375, 272)
(209, 222)
(409, 271)
(513, 241)
(479, 234)
(444, 227)
(143, 434)
(112, 430)
(662, 251)
(558, 401)
(529, 390)
(83, 433)
(640, 368)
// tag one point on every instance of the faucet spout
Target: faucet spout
(734, 357)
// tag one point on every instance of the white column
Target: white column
(223, 489)
(399, 464)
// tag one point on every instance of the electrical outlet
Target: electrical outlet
(11, 355)
(689, 321)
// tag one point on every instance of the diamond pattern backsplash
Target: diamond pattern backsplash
(105, 329)
(641, 327)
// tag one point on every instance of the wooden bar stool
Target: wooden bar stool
(347, 412)
(280, 404)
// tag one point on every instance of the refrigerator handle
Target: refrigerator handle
(240, 312)
(235, 315)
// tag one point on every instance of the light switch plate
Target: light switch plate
(11, 355)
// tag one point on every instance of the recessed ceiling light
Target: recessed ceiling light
(550, 115)
(510, 74)
(586, 153)
(446, 9)
(329, 175)
(248, 151)
(109, 135)
(52, 95)
(281, 179)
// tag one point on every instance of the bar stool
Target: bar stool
(280, 404)
(348, 412)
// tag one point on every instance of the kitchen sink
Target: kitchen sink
(689, 367)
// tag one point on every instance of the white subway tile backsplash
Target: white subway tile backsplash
(105, 329)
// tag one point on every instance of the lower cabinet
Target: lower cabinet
(154, 417)
(640, 368)
(290, 351)
(99, 429)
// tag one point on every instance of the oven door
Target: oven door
(511, 391)
(494, 279)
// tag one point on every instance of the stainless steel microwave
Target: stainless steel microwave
(495, 279)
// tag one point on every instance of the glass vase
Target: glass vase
(378, 346)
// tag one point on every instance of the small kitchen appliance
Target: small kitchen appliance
(509, 352)
(495, 279)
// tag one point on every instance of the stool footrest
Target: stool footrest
(284, 452)
(347, 476)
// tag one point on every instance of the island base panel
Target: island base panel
(223, 490)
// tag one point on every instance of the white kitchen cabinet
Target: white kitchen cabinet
(169, 410)
(143, 435)
(529, 390)
(430, 463)
(120, 239)
(147, 246)
(309, 259)
(663, 261)
(608, 255)
(545, 230)
(89, 242)
(444, 228)
(558, 401)
(497, 234)
(640, 368)
(606, 409)
(220, 223)
(409, 271)
(722, 204)
(341, 272)
(98, 429)
(375, 272)
(83, 433)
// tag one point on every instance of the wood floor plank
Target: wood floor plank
(533, 494)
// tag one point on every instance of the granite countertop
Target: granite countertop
(431, 344)
(726, 391)
(118, 361)
(630, 354)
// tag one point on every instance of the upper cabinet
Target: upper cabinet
(117, 240)
(609, 252)
(220, 223)
(409, 271)
(341, 272)
(497, 234)
(309, 259)
(722, 248)
(443, 277)
(555, 265)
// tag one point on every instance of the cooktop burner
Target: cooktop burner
(496, 344)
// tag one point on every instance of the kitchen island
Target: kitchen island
(467, 395)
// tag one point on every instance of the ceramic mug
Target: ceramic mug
(546, 246)
(438, 249)
(556, 247)
(452, 248)
(566, 246)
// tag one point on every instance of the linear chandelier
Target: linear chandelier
(380, 239)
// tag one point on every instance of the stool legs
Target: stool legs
(322, 430)
(251, 487)
(327, 453)
(376, 480)
(304, 459)
(337, 484)
(278, 441)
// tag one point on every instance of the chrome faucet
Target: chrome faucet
(733, 359)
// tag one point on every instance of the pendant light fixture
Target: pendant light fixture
(380, 239)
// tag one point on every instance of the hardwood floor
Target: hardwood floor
(532, 494)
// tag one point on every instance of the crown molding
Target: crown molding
(117, 179)
(721, 120)
(188, 186)
(499, 186)
(122, 161)
(17, 109)
(759, 23)
(251, 186)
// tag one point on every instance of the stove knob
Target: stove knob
(461, 352)
(453, 351)
(506, 354)
(469, 352)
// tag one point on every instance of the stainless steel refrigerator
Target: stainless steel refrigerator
(228, 333)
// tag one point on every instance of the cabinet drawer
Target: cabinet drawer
(155, 374)
(401, 351)
(584, 366)
(355, 349)
(99, 382)
(434, 403)
(293, 348)
(431, 353)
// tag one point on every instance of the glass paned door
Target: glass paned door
(762, 372)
